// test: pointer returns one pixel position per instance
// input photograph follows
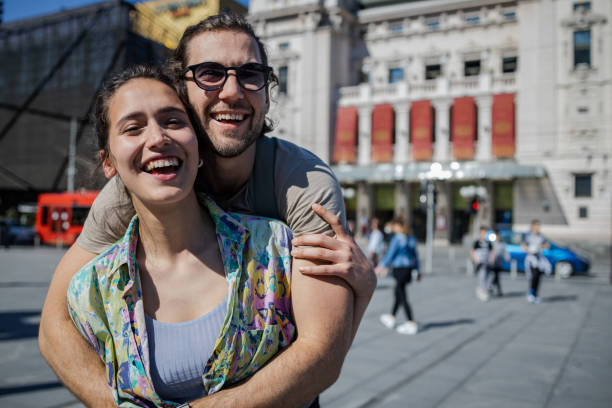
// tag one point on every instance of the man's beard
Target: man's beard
(239, 144)
(229, 151)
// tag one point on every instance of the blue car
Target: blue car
(564, 261)
(13, 233)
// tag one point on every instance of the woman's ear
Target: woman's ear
(107, 165)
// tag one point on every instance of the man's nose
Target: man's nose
(231, 89)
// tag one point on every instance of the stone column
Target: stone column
(442, 146)
(402, 131)
(483, 147)
(365, 135)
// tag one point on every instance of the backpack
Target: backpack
(262, 192)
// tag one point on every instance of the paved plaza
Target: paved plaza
(503, 353)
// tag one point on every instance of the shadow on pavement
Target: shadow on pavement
(436, 325)
(560, 298)
(514, 294)
(19, 325)
(29, 388)
(24, 284)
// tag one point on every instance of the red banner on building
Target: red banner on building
(345, 142)
(463, 128)
(421, 130)
(383, 123)
(502, 137)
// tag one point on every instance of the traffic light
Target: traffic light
(474, 205)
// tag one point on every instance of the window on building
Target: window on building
(582, 185)
(432, 22)
(472, 17)
(284, 46)
(582, 47)
(509, 14)
(433, 71)
(282, 80)
(396, 27)
(509, 65)
(471, 68)
(396, 75)
(582, 6)
(583, 212)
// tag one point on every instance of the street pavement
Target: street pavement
(502, 353)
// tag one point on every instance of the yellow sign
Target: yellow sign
(164, 21)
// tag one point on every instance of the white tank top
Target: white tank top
(178, 353)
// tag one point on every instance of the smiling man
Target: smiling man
(221, 68)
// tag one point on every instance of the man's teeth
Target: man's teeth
(156, 164)
(229, 116)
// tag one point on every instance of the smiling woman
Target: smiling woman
(184, 268)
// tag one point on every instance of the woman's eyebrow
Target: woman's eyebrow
(129, 116)
(170, 109)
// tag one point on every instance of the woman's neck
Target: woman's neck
(167, 231)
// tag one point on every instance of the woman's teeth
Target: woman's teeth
(161, 163)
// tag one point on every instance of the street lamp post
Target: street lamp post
(429, 231)
(71, 171)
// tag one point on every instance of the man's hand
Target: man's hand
(344, 259)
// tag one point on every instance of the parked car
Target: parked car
(564, 261)
(13, 233)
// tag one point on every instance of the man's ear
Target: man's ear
(107, 165)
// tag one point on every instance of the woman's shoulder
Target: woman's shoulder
(99, 269)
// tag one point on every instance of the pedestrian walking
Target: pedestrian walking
(500, 254)
(482, 256)
(535, 263)
(376, 242)
(403, 259)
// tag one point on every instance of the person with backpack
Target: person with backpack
(403, 259)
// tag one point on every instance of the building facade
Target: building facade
(508, 103)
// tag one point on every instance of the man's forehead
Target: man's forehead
(223, 46)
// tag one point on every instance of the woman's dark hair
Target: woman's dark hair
(229, 22)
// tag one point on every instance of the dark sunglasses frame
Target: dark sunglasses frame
(254, 66)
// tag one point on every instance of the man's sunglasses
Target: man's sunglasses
(211, 76)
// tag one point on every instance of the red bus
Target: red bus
(60, 216)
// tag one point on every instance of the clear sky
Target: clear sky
(18, 9)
